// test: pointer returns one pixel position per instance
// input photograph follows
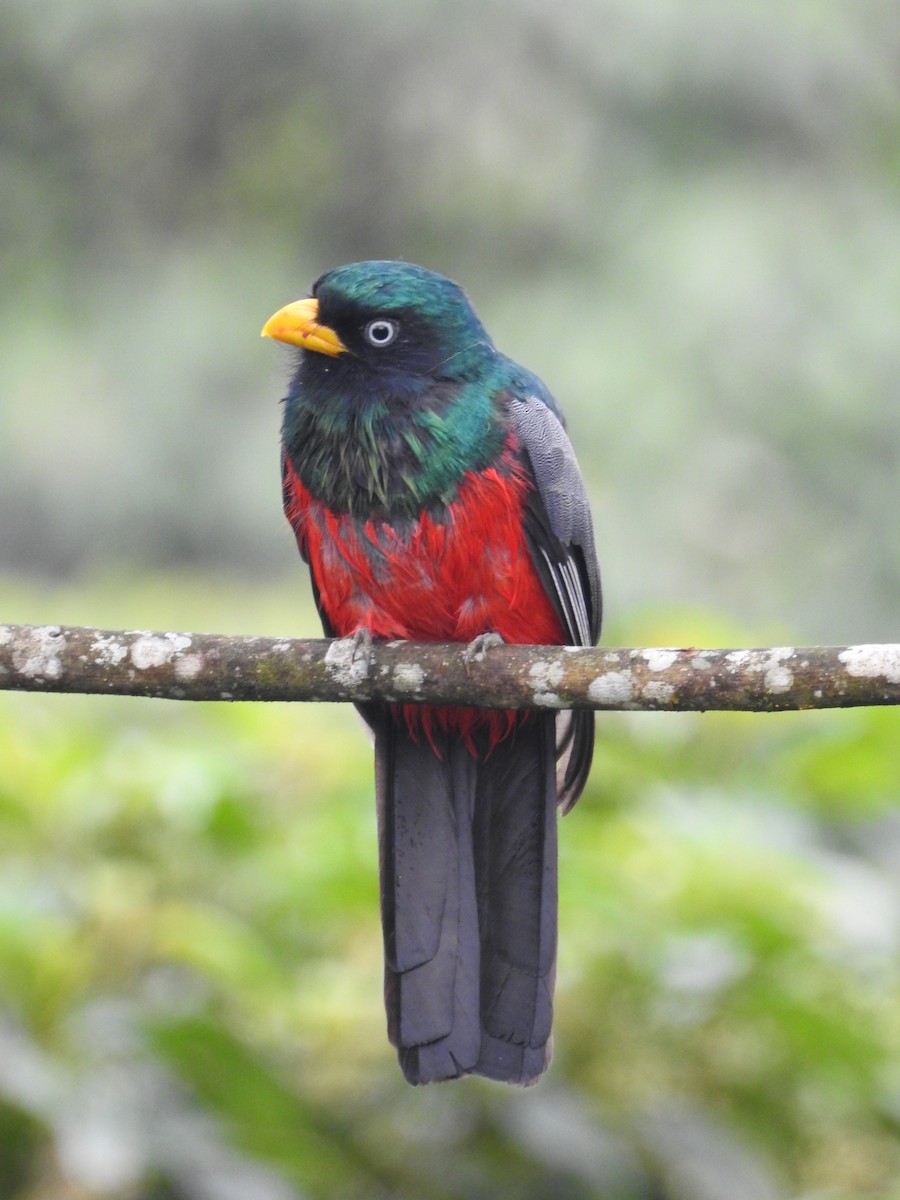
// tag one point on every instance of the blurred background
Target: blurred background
(686, 218)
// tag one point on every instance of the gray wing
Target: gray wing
(560, 536)
(559, 528)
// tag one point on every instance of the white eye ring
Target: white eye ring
(381, 332)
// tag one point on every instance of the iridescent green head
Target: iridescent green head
(393, 317)
(398, 391)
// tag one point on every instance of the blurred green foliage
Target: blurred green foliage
(190, 957)
(686, 218)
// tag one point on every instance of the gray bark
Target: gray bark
(196, 666)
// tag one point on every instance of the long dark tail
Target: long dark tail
(468, 901)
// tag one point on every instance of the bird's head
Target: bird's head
(398, 391)
(392, 318)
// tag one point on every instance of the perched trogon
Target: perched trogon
(435, 495)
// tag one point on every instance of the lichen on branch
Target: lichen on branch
(203, 666)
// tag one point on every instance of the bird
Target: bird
(434, 494)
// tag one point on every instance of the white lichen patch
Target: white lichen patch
(189, 666)
(780, 653)
(738, 658)
(873, 661)
(409, 676)
(156, 650)
(660, 658)
(6, 635)
(108, 651)
(615, 687)
(544, 678)
(38, 656)
(762, 660)
(779, 679)
(346, 662)
(658, 692)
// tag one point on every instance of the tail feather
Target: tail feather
(468, 877)
(515, 851)
(428, 907)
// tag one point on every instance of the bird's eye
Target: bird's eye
(381, 332)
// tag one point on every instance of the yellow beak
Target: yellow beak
(298, 325)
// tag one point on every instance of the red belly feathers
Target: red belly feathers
(443, 580)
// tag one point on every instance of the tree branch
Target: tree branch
(200, 666)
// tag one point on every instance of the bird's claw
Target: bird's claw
(361, 646)
(479, 646)
(350, 658)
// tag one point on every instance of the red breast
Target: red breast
(433, 580)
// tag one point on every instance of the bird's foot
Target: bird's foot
(362, 645)
(351, 656)
(478, 647)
